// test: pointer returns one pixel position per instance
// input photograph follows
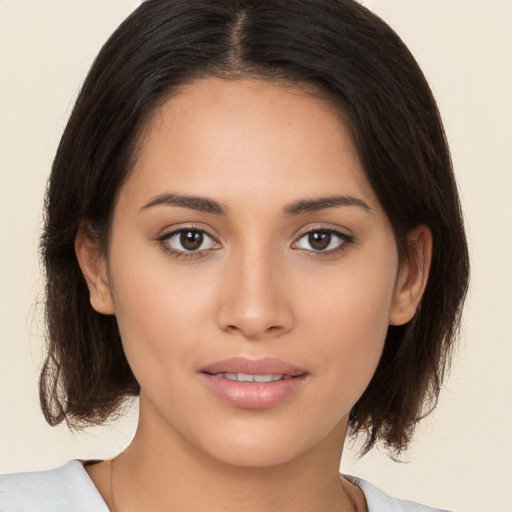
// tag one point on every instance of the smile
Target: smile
(253, 384)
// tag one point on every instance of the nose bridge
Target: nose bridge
(253, 300)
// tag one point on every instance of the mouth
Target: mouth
(253, 384)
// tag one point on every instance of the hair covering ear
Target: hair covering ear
(412, 276)
(94, 268)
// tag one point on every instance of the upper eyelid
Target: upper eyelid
(170, 231)
(342, 232)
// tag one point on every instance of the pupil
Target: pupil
(319, 240)
(191, 240)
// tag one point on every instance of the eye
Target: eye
(323, 240)
(188, 240)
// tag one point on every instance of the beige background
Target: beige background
(463, 457)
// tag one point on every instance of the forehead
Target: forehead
(248, 134)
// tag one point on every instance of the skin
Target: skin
(256, 288)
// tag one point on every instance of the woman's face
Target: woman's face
(247, 241)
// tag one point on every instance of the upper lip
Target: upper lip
(262, 366)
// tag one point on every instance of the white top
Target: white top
(69, 489)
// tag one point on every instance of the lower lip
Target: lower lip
(254, 395)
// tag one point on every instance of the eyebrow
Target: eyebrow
(204, 204)
(322, 203)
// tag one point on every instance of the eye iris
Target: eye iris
(191, 240)
(319, 240)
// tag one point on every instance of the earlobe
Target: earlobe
(412, 276)
(94, 268)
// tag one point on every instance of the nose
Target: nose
(254, 302)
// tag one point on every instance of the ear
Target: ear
(412, 276)
(94, 268)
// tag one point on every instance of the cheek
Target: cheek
(354, 304)
(160, 312)
(153, 293)
(351, 318)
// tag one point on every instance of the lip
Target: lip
(253, 395)
(262, 366)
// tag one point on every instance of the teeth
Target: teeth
(245, 377)
(264, 378)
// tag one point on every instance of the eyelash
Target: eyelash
(344, 241)
(164, 241)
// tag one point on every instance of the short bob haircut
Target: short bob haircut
(336, 48)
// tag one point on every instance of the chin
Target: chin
(266, 445)
(256, 456)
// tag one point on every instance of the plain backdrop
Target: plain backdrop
(462, 459)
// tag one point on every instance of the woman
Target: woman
(252, 223)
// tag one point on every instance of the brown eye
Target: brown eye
(323, 240)
(319, 240)
(191, 240)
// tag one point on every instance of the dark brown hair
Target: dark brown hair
(339, 48)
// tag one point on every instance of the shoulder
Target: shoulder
(379, 501)
(55, 490)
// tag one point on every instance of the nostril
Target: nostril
(253, 317)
